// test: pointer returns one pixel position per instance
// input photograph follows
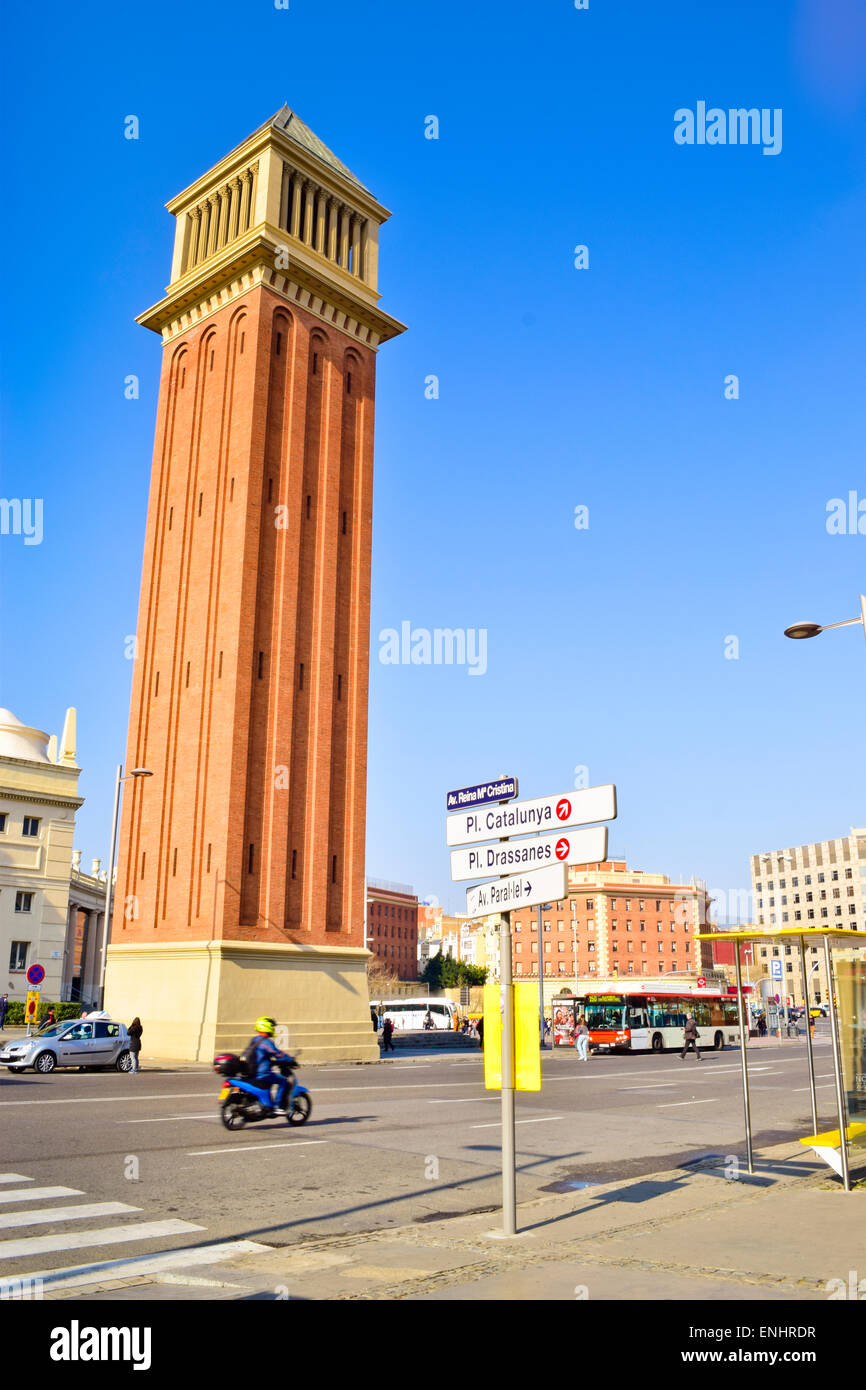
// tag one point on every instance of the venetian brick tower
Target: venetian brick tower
(241, 884)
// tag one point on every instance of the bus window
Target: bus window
(636, 1017)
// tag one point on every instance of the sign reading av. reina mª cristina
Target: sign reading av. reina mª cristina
(504, 789)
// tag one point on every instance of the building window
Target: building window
(18, 955)
(3, 819)
(23, 902)
(31, 826)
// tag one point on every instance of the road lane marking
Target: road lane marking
(39, 1194)
(669, 1104)
(76, 1276)
(83, 1240)
(654, 1086)
(544, 1119)
(463, 1100)
(38, 1218)
(161, 1119)
(14, 1177)
(245, 1148)
(108, 1100)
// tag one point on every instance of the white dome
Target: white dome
(17, 740)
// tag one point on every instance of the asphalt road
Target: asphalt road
(102, 1167)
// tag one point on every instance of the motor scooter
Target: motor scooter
(244, 1101)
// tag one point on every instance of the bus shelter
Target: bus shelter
(845, 961)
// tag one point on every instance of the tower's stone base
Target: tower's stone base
(199, 998)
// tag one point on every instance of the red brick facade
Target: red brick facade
(392, 930)
(249, 699)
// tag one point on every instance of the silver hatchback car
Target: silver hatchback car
(87, 1042)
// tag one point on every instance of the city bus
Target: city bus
(648, 1019)
(407, 1015)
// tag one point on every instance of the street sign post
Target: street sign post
(35, 975)
(482, 794)
(587, 846)
(528, 817)
(518, 890)
(31, 1008)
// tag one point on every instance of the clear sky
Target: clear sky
(559, 388)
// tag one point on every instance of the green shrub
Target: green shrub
(63, 1012)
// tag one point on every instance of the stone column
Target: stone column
(332, 229)
(284, 197)
(345, 219)
(213, 226)
(222, 234)
(356, 245)
(309, 189)
(320, 222)
(237, 191)
(295, 220)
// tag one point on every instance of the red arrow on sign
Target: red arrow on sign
(562, 848)
(563, 808)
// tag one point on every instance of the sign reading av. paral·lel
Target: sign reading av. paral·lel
(500, 789)
(518, 890)
(525, 817)
(587, 846)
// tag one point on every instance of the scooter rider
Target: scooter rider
(265, 1052)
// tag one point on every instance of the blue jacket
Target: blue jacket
(267, 1053)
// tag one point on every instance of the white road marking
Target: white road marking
(108, 1100)
(669, 1104)
(82, 1240)
(161, 1119)
(39, 1194)
(463, 1100)
(654, 1086)
(543, 1120)
(44, 1214)
(245, 1148)
(75, 1276)
(14, 1177)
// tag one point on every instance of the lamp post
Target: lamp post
(799, 631)
(106, 926)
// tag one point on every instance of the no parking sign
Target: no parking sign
(35, 975)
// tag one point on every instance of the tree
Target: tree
(443, 972)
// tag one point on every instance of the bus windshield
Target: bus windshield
(603, 1015)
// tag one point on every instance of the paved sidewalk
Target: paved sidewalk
(699, 1232)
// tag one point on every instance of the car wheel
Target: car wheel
(124, 1062)
(45, 1062)
(658, 1043)
(719, 1042)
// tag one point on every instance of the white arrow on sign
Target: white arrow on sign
(570, 847)
(518, 890)
(525, 817)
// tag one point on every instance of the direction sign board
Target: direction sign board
(36, 974)
(528, 817)
(588, 846)
(776, 969)
(518, 890)
(482, 794)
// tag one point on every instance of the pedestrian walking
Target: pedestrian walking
(388, 1035)
(690, 1035)
(4, 1008)
(481, 1033)
(49, 1020)
(134, 1031)
(582, 1039)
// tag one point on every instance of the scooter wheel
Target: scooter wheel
(232, 1115)
(300, 1111)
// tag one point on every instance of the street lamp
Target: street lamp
(106, 926)
(799, 631)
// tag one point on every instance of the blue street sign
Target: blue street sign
(776, 969)
(482, 794)
(36, 974)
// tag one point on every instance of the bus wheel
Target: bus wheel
(658, 1043)
(719, 1042)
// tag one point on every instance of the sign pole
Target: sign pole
(509, 1203)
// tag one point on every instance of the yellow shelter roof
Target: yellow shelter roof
(770, 934)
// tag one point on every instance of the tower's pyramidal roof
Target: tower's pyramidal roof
(291, 124)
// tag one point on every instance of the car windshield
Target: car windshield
(52, 1031)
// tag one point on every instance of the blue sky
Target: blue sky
(558, 388)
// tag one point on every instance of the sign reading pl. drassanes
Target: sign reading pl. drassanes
(587, 846)
(524, 817)
(502, 789)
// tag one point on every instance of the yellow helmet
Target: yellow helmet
(266, 1025)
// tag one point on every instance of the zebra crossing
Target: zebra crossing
(25, 1208)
